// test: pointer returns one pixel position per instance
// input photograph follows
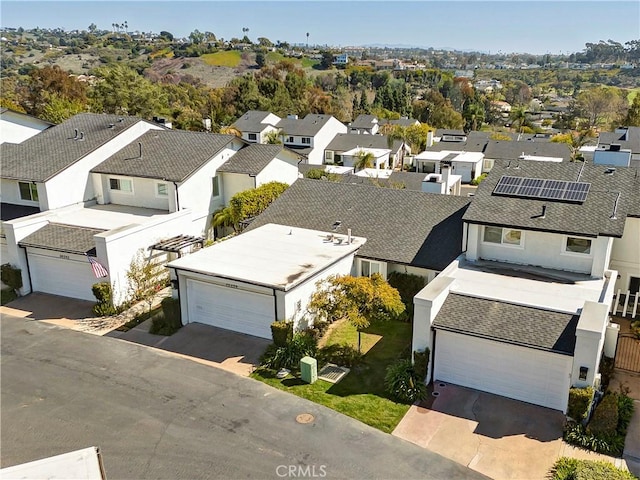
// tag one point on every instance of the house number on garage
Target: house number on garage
(66, 257)
(229, 285)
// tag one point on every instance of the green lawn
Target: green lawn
(361, 394)
(229, 58)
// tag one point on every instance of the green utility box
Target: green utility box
(309, 369)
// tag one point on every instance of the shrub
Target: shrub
(289, 356)
(573, 469)
(575, 434)
(403, 383)
(477, 181)
(168, 322)
(281, 333)
(408, 285)
(7, 295)
(606, 371)
(625, 412)
(421, 363)
(635, 328)
(579, 402)
(315, 173)
(343, 355)
(605, 418)
(103, 293)
(11, 276)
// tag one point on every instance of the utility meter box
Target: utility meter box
(309, 369)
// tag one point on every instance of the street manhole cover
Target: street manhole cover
(305, 418)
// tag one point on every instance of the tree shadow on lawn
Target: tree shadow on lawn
(367, 377)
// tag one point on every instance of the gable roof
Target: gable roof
(252, 159)
(508, 323)
(307, 126)
(252, 121)
(364, 121)
(475, 142)
(170, 155)
(505, 150)
(398, 180)
(64, 238)
(591, 218)
(401, 226)
(46, 154)
(626, 137)
(343, 142)
(404, 122)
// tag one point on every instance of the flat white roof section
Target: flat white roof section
(274, 256)
(83, 464)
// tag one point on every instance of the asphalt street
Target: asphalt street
(154, 415)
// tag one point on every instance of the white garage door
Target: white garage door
(230, 308)
(533, 376)
(60, 276)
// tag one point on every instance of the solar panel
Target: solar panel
(542, 188)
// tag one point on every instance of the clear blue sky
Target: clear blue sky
(508, 26)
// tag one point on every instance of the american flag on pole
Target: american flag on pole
(98, 269)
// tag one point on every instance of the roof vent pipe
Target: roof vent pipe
(139, 149)
(75, 137)
(348, 236)
(81, 138)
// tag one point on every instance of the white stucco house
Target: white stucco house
(310, 135)
(620, 147)
(237, 285)
(16, 127)
(524, 311)
(364, 124)
(347, 142)
(379, 157)
(466, 164)
(255, 124)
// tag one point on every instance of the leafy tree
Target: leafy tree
(265, 42)
(575, 140)
(58, 108)
(364, 106)
(230, 130)
(519, 117)
(196, 36)
(600, 104)
(52, 80)
(146, 278)
(327, 60)
(360, 300)
(166, 35)
(633, 115)
(261, 60)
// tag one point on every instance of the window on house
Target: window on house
(290, 140)
(328, 155)
(634, 285)
(578, 245)
(253, 137)
(306, 140)
(162, 189)
(504, 236)
(121, 184)
(216, 186)
(28, 191)
(368, 268)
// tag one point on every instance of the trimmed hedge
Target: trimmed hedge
(605, 417)
(421, 363)
(573, 469)
(168, 322)
(282, 333)
(344, 355)
(579, 401)
(104, 296)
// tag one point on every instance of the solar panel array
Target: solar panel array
(542, 188)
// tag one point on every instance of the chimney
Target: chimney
(445, 170)
(429, 138)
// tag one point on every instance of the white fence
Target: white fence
(628, 306)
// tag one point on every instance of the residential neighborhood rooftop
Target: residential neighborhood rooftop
(613, 194)
(171, 155)
(63, 238)
(307, 126)
(364, 121)
(252, 159)
(511, 150)
(509, 323)
(42, 156)
(299, 254)
(252, 121)
(401, 226)
(104, 217)
(348, 141)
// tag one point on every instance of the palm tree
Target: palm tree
(272, 137)
(225, 218)
(363, 159)
(125, 25)
(393, 133)
(307, 40)
(230, 130)
(519, 117)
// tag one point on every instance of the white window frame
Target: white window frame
(290, 139)
(120, 189)
(253, 137)
(215, 185)
(503, 232)
(371, 264)
(33, 188)
(328, 155)
(166, 189)
(565, 251)
(306, 140)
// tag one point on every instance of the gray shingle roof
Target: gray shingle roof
(65, 238)
(343, 142)
(632, 141)
(504, 150)
(251, 121)
(404, 122)
(170, 155)
(508, 323)
(398, 180)
(46, 154)
(591, 218)
(252, 159)
(476, 142)
(307, 126)
(401, 226)
(364, 121)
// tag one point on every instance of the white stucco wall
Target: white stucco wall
(16, 127)
(10, 193)
(279, 170)
(541, 249)
(143, 195)
(625, 254)
(74, 184)
(235, 183)
(320, 141)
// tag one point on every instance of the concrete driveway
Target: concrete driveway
(42, 306)
(231, 351)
